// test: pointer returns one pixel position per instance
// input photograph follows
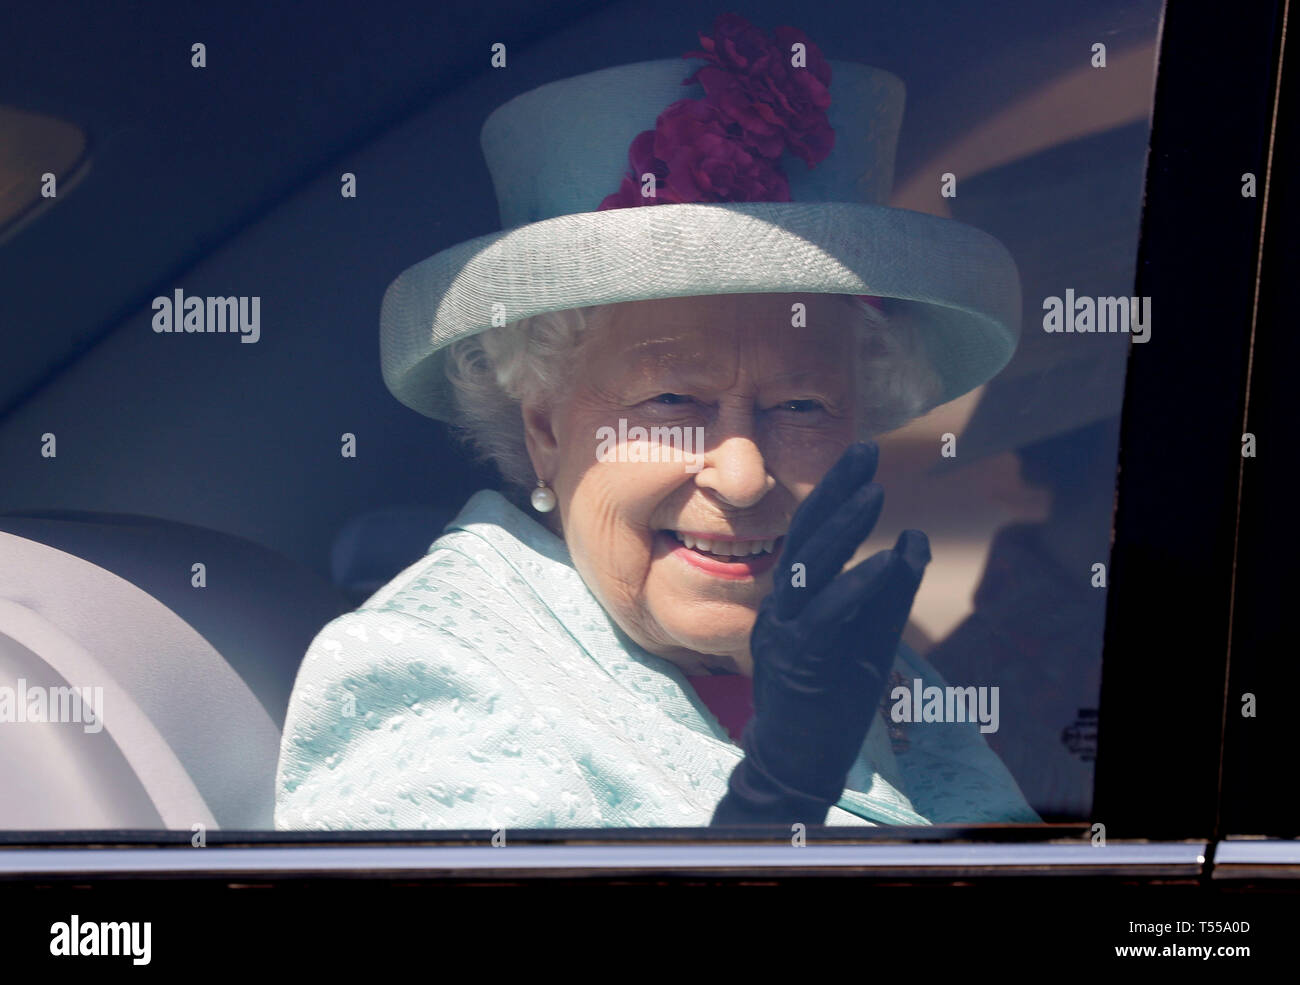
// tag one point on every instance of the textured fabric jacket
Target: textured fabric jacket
(485, 687)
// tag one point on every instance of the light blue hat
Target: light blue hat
(555, 152)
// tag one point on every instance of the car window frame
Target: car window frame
(1169, 792)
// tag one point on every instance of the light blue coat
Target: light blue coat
(485, 687)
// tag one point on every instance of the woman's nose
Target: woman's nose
(736, 471)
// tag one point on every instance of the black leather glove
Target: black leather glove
(822, 652)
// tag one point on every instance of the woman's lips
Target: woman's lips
(739, 568)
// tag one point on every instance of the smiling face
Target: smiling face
(679, 549)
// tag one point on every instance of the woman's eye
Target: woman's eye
(800, 406)
(671, 399)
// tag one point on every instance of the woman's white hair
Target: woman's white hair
(493, 372)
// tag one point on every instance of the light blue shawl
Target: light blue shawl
(485, 687)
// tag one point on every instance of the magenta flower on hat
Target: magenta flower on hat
(695, 157)
(726, 147)
(777, 105)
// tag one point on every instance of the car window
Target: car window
(455, 483)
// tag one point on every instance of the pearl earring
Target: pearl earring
(543, 497)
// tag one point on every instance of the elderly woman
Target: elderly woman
(652, 626)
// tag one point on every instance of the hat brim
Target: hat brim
(959, 286)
